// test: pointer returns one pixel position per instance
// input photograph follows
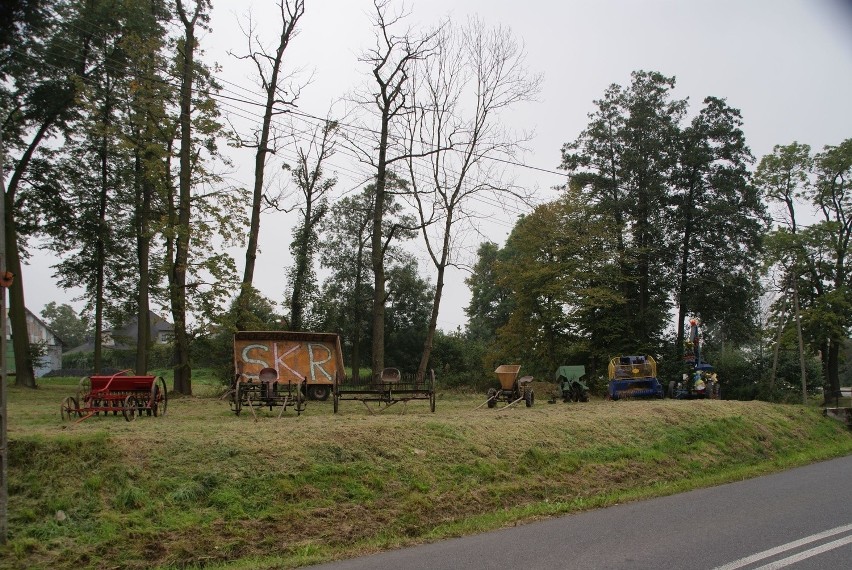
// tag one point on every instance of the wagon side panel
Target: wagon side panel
(317, 358)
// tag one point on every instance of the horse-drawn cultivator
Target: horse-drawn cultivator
(389, 388)
(267, 391)
(120, 393)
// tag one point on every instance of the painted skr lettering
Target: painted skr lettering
(248, 349)
(318, 364)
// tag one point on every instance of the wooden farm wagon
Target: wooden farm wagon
(283, 369)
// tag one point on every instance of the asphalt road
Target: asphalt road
(801, 519)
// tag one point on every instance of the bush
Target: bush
(457, 360)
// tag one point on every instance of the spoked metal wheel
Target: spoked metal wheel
(492, 397)
(131, 408)
(69, 408)
(301, 399)
(162, 402)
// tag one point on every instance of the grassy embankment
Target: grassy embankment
(203, 488)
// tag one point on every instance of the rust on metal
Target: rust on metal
(294, 356)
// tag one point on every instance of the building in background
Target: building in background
(124, 337)
(41, 336)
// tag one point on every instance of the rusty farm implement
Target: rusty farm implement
(387, 389)
(512, 389)
(122, 393)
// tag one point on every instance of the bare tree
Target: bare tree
(476, 73)
(388, 100)
(280, 96)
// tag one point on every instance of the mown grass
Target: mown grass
(201, 488)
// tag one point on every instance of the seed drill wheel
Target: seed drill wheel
(492, 397)
(69, 408)
(301, 399)
(130, 409)
(163, 403)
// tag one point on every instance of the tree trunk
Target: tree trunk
(24, 374)
(833, 368)
(100, 243)
(182, 370)
(777, 348)
(436, 304)
(143, 247)
(271, 87)
(801, 343)
(433, 325)
(378, 257)
(357, 313)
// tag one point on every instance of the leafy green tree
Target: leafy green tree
(407, 318)
(344, 303)
(816, 257)
(624, 160)
(490, 303)
(148, 135)
(719, 219)
(199, 277)
(784, 176)
(72, 328)
(40, 97)
(558, 262)
(830, 270)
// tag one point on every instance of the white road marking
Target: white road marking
(806, 554)
(784, 548)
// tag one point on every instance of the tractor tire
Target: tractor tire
(529, 398)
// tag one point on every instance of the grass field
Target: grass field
(202, 488)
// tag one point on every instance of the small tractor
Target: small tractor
(633, 377)
(700, 380)
(569, 387)
(512, 389)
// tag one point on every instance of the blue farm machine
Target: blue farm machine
(633, 377)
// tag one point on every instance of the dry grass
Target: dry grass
(203, 488)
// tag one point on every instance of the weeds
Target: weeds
(203, 488)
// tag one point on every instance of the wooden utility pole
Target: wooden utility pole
(4, 442)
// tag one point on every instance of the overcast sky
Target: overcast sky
(786, 64)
